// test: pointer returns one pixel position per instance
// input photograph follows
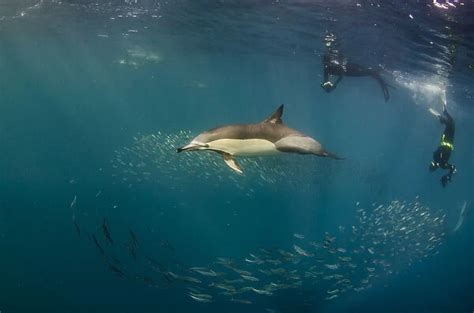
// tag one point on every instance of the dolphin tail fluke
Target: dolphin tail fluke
(230, 161)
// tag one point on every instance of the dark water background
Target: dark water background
(79, 79)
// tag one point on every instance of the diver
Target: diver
(443, 153)
(336, 65)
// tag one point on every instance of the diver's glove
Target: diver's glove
(327, 86)
(433, 166)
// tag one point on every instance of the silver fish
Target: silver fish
(302, 252)
(332, 266)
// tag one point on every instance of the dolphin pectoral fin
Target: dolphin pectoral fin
(230, 161)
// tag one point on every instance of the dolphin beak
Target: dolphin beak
(192, 146)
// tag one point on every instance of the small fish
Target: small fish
(116, 270)
(266, 272)
(274, 262)
(148, 280)
(332, 266)
(133, 238)
(194, 289)
(461, 217)
(209, 273)
(302, 252)
(243, 301)
(133, 253)
(73, 203)
(201, 295)
(250, 278)
(184, 278)
(262, 292)
(167, 245)
(332, 297)
(224, 261)
(331, 292)
(299, 236)
(234, 281)
(76, 225)
(189, 279)
(223, 287)
(96, 242)
(278, 271)
(167, 277)
(202, 300)
(156, 263)
(242, 272)
(253, 261)
(117, 261)
(106, 232)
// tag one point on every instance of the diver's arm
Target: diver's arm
(326, 74)
(445, 118)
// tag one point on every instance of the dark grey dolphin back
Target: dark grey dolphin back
(271, 129)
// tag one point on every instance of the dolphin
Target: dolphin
(271, 136)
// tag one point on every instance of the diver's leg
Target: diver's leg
(326, 74)
(447, 177)
(339, 78)
(354, 69)
(452, 169)
(383, 85)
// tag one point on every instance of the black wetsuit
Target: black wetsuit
(443, 153)
(336, 65)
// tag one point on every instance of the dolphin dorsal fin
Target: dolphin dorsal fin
(275, 118)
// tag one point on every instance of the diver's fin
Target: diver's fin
(275, 118)
(230, 161)
(443, 100)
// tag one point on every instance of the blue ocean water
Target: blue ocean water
(95, 97)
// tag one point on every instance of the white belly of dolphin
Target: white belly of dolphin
(244, 147)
